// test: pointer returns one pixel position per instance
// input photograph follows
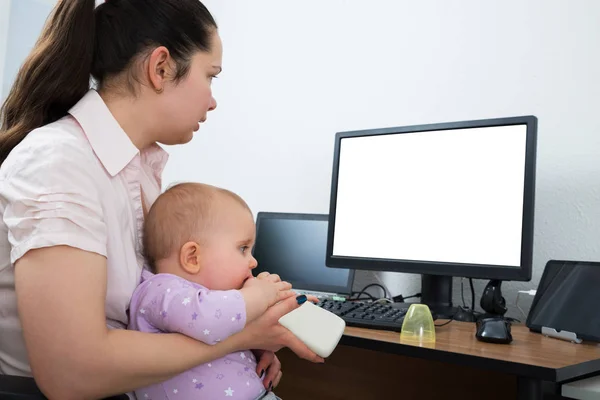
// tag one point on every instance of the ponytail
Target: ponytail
(55, 75)
(80, 42)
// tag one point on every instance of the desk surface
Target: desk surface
(529, 355)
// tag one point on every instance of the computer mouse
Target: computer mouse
(493, 330)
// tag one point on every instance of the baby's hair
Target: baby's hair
(183, 213)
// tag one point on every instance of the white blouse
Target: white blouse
(76, 182)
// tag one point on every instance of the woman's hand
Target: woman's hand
(266, 333)
(268, 364)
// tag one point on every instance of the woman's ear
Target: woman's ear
(159, 68)
(189, 258)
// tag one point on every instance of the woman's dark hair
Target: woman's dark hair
(81, 41)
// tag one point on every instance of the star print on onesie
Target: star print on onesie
(168, 303)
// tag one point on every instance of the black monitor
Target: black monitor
(440, 200)
(293, 246)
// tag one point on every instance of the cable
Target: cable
(445, 323)
(529, 292)
(387, 290)
(472, 294)
(462, 294)
(373, 298)
(369, 297)
(385, 293)
(401, 299)
(358, 294)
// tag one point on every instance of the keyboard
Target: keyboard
(362, 314)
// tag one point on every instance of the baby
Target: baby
(198, 241)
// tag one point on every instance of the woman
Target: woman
(79, 169)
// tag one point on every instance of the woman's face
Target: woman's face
(186, 103)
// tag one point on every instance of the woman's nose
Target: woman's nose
(213, 104)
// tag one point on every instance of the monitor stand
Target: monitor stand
(436, 293)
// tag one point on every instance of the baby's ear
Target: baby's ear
(189, 258)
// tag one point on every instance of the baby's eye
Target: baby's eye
(243, 249)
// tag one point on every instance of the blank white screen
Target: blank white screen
(447, 196)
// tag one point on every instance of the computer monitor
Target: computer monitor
(440, 200)
(293, 246)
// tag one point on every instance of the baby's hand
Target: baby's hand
(269, 277)
(270, 288)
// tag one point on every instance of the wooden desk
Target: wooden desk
(372, 364)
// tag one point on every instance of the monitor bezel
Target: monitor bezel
(478, 271)
(345, 290)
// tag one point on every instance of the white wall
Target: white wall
(297, 72)
(26, 20)
(4, 22)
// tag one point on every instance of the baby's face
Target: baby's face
(225, 256)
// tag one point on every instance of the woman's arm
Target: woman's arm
(169, 305)
(61, 293)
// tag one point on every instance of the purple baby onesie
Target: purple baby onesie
(168, 303)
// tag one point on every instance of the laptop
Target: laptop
(294, 246)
